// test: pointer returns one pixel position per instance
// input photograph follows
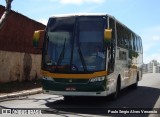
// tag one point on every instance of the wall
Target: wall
(16, 34)
(19, 60)
(16, 66)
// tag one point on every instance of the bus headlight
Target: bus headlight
(96, 79)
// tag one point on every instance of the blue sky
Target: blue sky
(141, 16)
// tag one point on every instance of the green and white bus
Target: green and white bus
(89, 55)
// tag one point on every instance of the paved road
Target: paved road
(147, 95)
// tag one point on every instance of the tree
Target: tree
(6, 12)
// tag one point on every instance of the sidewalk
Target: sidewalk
(20, 93)
(19, 89)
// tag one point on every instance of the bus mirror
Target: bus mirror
(38, 38)
(108, 34)
(107, 37)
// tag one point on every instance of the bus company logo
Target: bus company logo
(73, 68)
(70, 80)
(6, 111)
(21, 111)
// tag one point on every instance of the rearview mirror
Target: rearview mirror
(108, 34)
(38, 37)
(107, 37)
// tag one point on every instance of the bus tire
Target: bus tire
(135, 85)
(67, 98)
(115, 95)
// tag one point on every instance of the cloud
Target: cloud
(152, 33)
(78, 2)
(43, 21)
(156, 37)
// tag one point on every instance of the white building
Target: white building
(158, 68)
(145, 68)
(153, 67)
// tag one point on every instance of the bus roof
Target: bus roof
(91, 14)
(81, 14)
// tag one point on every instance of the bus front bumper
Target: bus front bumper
(74, 89)
(75, 93)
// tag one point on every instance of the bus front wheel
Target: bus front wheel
(68, 98)
(115, 95)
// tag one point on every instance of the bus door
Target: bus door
(123, 65)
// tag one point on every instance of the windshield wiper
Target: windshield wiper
(82, 59)
(62, 53)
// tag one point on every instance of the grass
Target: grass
(19, 86)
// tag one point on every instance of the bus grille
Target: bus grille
(68, 80)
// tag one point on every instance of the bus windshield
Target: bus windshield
(75, 45)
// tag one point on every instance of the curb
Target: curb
(21, 93)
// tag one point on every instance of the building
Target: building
(158, 68)
(151, 67)
(17, 33)
(19, 60)
(145, 68)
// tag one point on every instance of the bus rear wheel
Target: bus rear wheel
(135, 85)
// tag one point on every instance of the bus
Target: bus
(88, 55)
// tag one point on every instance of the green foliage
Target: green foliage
(133, 54)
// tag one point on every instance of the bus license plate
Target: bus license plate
(70, 88)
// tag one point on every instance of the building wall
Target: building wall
(19, 60)
(145, 68)
(16, 66)
(158, 69)
(17, 33)
(151, 67)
